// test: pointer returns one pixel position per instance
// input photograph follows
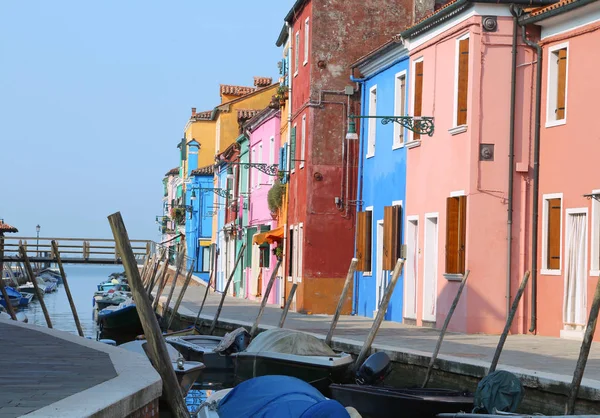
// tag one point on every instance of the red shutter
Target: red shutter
(451, 235)
(418, 93)
(554, 211)
(561, 87)
(462, 233)
(463, 82)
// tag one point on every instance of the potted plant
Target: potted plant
(275, 198)
(278, 252)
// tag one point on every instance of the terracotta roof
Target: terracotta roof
(263, 81)
(206, 115)
(430, 15)
(209, 169)
(173, 172)
(247, 113)
(6, 228)
(554, 6)
(235, 90)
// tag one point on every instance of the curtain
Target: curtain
(575, 292)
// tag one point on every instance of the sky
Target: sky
(94, 97)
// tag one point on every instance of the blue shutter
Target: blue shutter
(281, 166)
(293, 149)
(284, 162)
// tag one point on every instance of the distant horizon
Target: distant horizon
(97, 96)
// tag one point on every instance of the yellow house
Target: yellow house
(200, 128)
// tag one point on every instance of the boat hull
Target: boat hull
(125, 320)
(382, 402)
(203, 352)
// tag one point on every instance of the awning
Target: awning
(204, 242)
(268, 236)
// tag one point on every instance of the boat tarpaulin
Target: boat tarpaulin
(287, 341)
(278, 396)
(269, 236)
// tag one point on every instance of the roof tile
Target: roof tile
(247, 113)
(263, 81)
(206, 115)
(209, 169)
(173, 172)
(554, 6)
(230, 90)
(6, 228)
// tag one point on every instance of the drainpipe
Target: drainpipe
(536, 175)
(511, 160)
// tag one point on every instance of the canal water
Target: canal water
(83, 281)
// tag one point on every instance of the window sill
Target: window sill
(296, 74)
(553, 123)
(304, 63)
(367, 273)
(595, 273)
(457, 130)
(548, 272)
(370, 155)
(302, 165)
(397, 146)
(413, 144)
(453, 277)
(289, 279)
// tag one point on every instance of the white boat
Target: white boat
(21, 317)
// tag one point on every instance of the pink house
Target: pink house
(569, 191)
(458, 197)
(263, 132)
(167, 224)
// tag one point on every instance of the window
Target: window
(296, 53)
(300, 252)
(399, 108)
(364, 243)
(260, 160)
(392, 236)
(456, 234)
(418, 93)
(556, 108)
(271, 156)
(265, 256)
(303, 142)
(291, 258)
(293, 149)
(205, 267)
(595, 264)
(462, 80)
(306, 36)
(253, 182)
(372, 124)
(552, 234)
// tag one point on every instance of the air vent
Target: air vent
(489, 23)
(486, 152)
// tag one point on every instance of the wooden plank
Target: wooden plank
(38, 292)
(161, 284)
(157, 352)
(444, 328)
(178, 267)
(237, 261)
(265, 299)
(288, 303)
(338, 311)
(380, 315)
(67, 288)
(9, 306)
(186, 283)
(152, 279)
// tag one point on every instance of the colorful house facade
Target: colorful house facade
(166, 221)
(382, 167)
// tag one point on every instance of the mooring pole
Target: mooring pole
(210, 278)
(151, 264)
(157, 346)
(9, 306)
(584, 352)
(186, 283)
(340, 305)
(445, 327)
(38, 292)
(178, 267)
(288, 303)
(380, 314)
(265, 298)
(237, 260)
(161, 284)
(67, 289)
(151, 280)
(509, 321)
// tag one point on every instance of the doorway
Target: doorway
(412, 262)
(430, 262)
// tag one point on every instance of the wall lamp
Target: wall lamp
(422, 125)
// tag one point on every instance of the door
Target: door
(430, 262)
(379, 277)
(575, 279)
(412, 252)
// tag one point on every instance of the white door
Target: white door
(430, 259)
(379, 278)
(410, 276)
(575, 283)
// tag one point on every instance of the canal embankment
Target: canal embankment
(544, 365)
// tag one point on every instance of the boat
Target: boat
(271, 396)
(371, 398)
(291, 353)
(48, 285)
(115, 283)
(16, 299)
(191, 330)
(112, 297)
(29, 288)
(123, 318)
(52, 272)
(21, 317)
(187, 372)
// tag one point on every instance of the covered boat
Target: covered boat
(271, 396)
(123, 317)
(16, 299)
(291, 353)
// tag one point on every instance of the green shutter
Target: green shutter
(293, 148)
(249, 235)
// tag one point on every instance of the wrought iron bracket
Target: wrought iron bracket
(422, 125)
(590, 196)
(268, 169)
(221, 192)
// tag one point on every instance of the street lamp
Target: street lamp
(37, 245)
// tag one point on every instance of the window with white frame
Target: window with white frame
(372, 123)
(296, 53)
(399, 108)
(556, 100)
(303, 142)
(300, 251)
(260, 160)
(552, 234)
(253, 177)
(461, 81)
(306, 39)
(417, 101)
(595, 253)
(271, 156)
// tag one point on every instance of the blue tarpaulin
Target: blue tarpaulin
(280, 397)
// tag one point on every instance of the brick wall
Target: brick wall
(146, 411)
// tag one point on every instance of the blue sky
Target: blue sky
(94, 97)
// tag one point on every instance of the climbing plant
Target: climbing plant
(275, 196)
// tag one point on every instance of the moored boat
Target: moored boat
(16, 299)
(123, 318)
(21, 317)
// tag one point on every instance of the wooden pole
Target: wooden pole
(9, 306)
(157, 347)
(338, 311)
(150, 283)
(38, 292)
(67, 289)
(288, 303)
(237, 260)
(178, 266)
(265, 298)
(210, 278)
(445, 327)
(188, 278)
(150, 268)
(163, 259)
(145, 267)
(509, 321)
(161, 284)
(584, 352)
(380, 314)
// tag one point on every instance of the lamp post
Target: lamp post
(37, 245)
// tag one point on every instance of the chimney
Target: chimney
(262, 81)
(193, 111)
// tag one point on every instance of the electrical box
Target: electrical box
(349, 90)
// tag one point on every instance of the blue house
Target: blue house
(382, 178)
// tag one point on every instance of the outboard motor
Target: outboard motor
(374, 370)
